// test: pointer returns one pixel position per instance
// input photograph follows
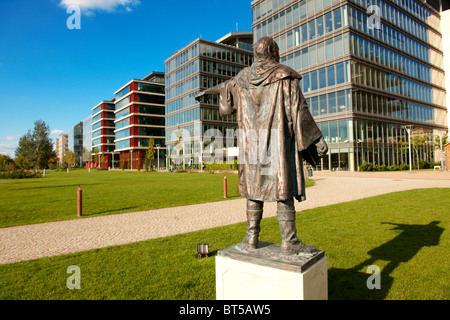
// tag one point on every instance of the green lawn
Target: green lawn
(25, 201)
(404, 233)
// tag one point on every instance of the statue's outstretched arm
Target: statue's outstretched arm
(216, 89)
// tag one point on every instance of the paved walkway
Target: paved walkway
(63, 237)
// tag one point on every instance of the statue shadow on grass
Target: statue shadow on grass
(352, 284)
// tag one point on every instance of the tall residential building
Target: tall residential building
(139, 116)
(75, 142)
(369, 67)
(61, 147)
(200, 65)
(102, 134)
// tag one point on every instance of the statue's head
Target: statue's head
(266, 49)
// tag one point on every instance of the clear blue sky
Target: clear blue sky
(55, 74)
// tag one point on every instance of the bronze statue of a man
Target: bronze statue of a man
(272, 115)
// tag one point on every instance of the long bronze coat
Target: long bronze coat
(268, 97)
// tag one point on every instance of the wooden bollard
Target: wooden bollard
(79, 202)
(225, 187)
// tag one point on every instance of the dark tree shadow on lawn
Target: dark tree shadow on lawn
(347, 284)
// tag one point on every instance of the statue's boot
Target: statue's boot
(251, 239)
(291, 244)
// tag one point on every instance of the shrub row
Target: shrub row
(365, 166)
(20, 174)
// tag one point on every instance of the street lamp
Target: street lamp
(441, 134)
(408, 129)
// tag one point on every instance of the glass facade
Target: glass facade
(75, 142)
(200, 65)
(87, 139)
(363, 81)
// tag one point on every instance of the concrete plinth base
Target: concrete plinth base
(265, 274)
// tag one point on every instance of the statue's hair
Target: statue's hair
(266, 49)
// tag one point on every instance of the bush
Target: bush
(19, 174)
(393, 167)
(223, 166)
(404, 166)
(365, 166)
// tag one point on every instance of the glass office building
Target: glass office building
(201, 64)
(87, 139)
(75, 142)
(369, 67)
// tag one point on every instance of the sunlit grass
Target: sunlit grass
(404, 235)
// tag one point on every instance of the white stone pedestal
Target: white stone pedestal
(264, 274)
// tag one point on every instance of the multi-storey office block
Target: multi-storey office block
(369, 67)
(200, 65)
(139, 116)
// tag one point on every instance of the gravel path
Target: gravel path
(63, 237)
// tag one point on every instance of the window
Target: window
(298, 60)
(314, 106)
(333, 131)
(275, 24)
(332, 102)
(329, 49)
(329, 22)
(341, 100)
(340, 75)
(295, 13)
(310, 7)
(306, 84)
(122, 134)
(319, 26)
(322, 78)
(296, 37)
(304, 32)
(330, 76)
(343, 130)
(123, 144)
(338, 50)
(282, 20)
(305, 58)
(323, 126)
(323, 108)
(321, 52)
(312, 29)
(289, 40)
(303, 9)
(312, 55)
(288, 16)
(313, 80)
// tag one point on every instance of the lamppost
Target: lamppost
(408, 129)
(441, 134)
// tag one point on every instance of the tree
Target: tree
(96, 156)
(417, 142)
(102, 159)
(36, 146)
(437, 141)
(52, 162)
(69, 158)
(139, 161)
(6, 163)
(150, 155)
